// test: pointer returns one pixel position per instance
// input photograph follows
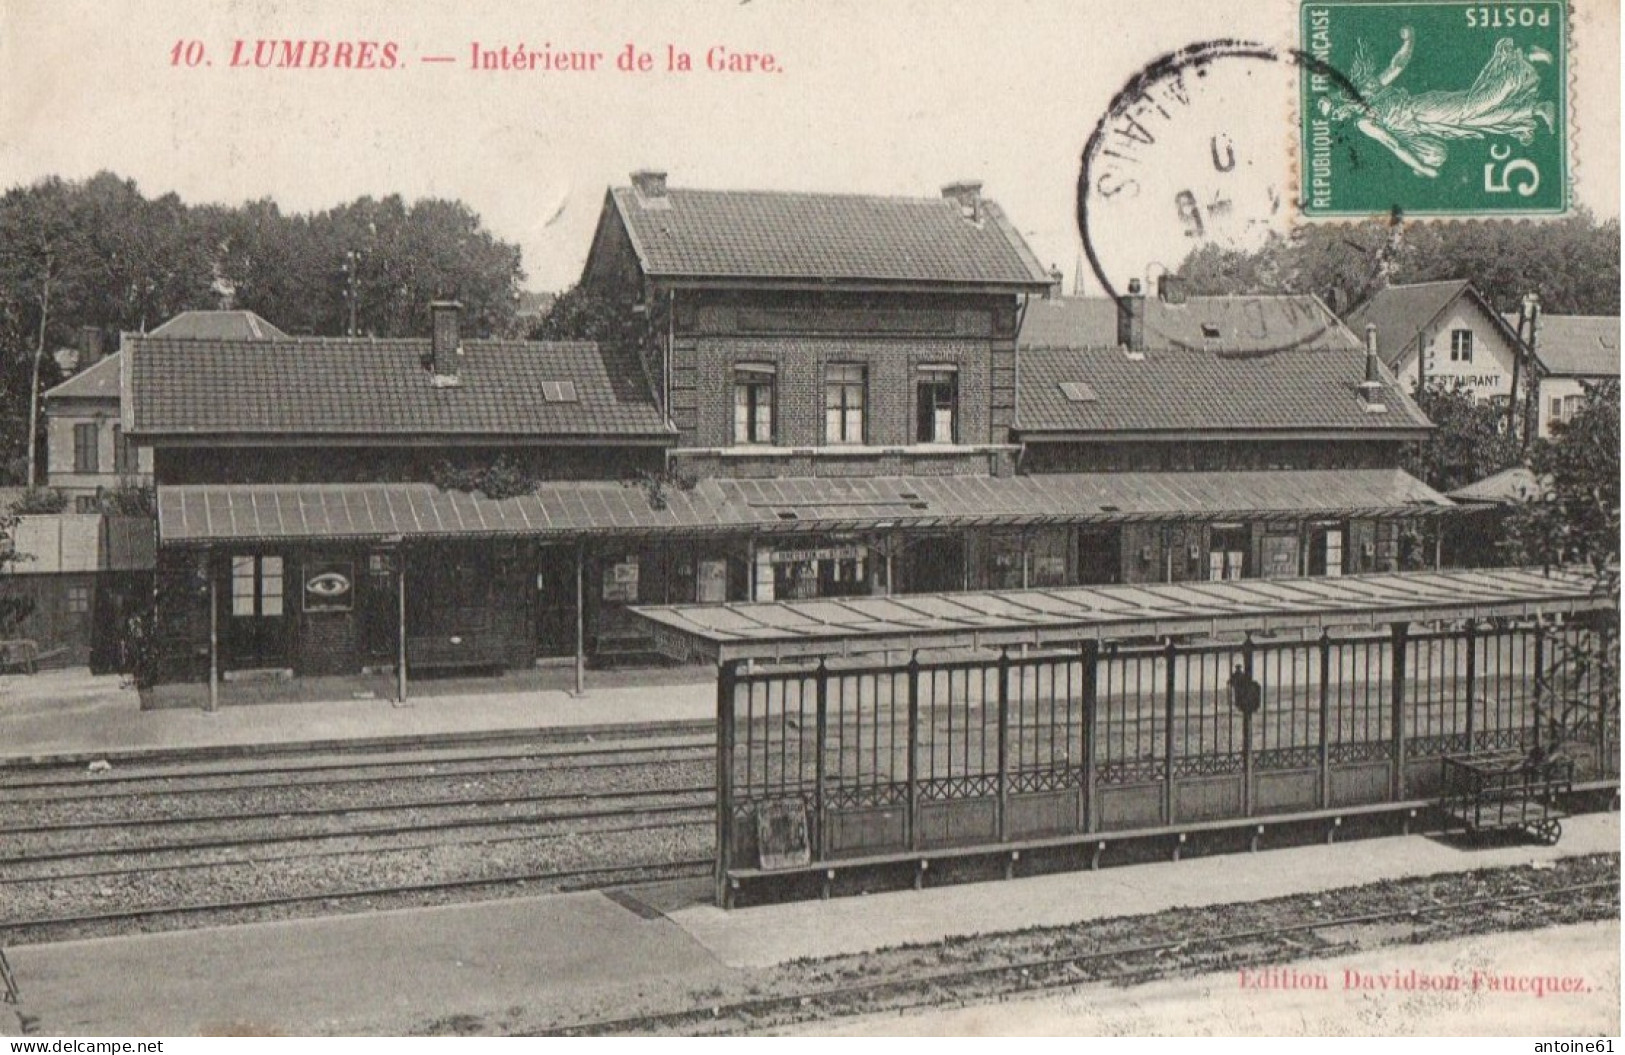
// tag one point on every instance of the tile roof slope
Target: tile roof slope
(1509, 486)
(825, 237)
(218, 326)
(315, 386)
(1203, 392)
(202, 512)
(1400, 312)
(97, 382)
(1577, 345)
(1243, 323)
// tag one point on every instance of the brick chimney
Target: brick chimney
(1057, 279)
(90, 346)
(650, 184)
(445, 343)
(1131, 318)
(1371, 387)
(968, 193)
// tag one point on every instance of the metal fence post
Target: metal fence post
(1247, 732)
(914, 751)
(1091, 711)
(819, 806)
(1540, 679)
(1168, 735)
(727, 680)
(1325, 720)
(1472, 683)
(1004, 740)
(1400, 636)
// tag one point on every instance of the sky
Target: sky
(893, 98)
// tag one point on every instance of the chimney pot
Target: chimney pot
(968, 193)
(445, 343)
(1131, 318)
(649, 183)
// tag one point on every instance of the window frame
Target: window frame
(839, 385)
(924, 379)
(749, 378)
(86, 455)
(1461, 345)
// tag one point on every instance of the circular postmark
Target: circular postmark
(1194, 151)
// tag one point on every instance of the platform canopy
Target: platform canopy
(989, 619)
(195, 514)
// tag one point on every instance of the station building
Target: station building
(822, 396)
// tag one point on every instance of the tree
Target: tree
(1574, 523)
(1467, 442)
(43, 269)
(1572, 263)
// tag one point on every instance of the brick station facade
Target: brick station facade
(831, 396)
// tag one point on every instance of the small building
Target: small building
(81, 575)
(1573, 351)
(86, 450)
(1445, 332)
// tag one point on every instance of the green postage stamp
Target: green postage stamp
(1434, 108)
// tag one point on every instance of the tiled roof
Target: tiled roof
(1309, 389)
(218, 326)
(1235, 324)
(221, 512)
(97, 382)
(1506, 487)
(847, 238)
(847, 626)
(1577, 345)
(335, 387)
(1400, 312)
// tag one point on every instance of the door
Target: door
(1326, 551)
(1100, 556)
(1227, 554)
(935, 564)
(256, 631)
(556, 601)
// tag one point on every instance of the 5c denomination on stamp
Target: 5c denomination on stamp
(1444, 108)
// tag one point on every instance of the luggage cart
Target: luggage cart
(1507, 790)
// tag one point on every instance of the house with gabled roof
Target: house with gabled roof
(1571, 351)
(1444, 332)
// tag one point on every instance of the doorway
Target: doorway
(256, 630)
(556, 601)
(1100, 556)
(934, 564)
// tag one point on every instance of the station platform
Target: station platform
(72, 715)
(527, 964)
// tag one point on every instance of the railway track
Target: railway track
(345, 771)
(375, 898)
(895, 992)
(103, 853)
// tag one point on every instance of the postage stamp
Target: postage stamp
(1443, 108)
